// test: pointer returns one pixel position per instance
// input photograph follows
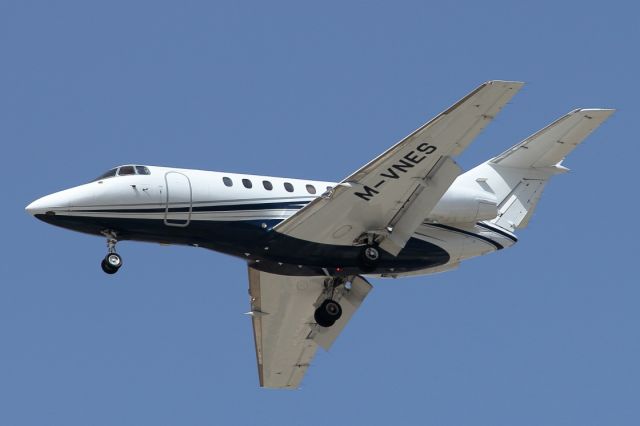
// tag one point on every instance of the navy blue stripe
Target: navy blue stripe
(498, 231)
(496, 244)
(232, 207)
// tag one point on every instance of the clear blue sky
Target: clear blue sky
(546, 333)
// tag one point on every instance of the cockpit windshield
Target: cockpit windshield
(124, 171)
(110, 173)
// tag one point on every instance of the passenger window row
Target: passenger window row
(269, 186)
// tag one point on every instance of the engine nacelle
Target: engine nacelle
(464, 205)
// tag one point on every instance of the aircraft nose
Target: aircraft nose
(64, 200)
(33, 207)
(48, 203)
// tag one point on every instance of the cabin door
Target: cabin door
(179, 199)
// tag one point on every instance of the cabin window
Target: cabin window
(142, 170)
(311, 189)
(126, 170)
(227, 181)
(267, 185)
(247, 183)
(288, 187)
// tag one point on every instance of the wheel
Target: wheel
(107, 268)
(323, 316)
(369, 258)
(371, 253)
(328, 313)
(333, 309)
(114, 260)
(111, 263)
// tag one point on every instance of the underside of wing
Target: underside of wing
(285, 331)
(391, 195)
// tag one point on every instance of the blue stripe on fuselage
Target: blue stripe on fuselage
(294, 205)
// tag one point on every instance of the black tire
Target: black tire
(107, 268)
(333, 309)
(322, 320)
(328, 313)
(369, 258)
(111, 263)
(114, 260)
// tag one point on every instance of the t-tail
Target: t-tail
(518, 176)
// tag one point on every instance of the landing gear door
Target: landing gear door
(179, 199)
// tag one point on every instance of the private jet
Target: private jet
(308, 244)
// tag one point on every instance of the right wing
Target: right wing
(391, 195)
(285, 332)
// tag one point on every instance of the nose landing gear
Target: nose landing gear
(112, 261)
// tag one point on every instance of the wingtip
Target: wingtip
(515, 84)
(603, 110)
(595, 112)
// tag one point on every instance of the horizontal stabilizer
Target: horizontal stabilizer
(518, 176)
(549, 146)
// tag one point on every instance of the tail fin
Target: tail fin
(518, 176)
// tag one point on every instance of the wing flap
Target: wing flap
(424, 199)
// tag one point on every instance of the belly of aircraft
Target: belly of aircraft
(256, 243)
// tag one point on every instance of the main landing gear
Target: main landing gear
(329, 310)
(369, 258)
(112, 261)
(328, 313)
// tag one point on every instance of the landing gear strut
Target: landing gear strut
(329, 310)
(112, 261)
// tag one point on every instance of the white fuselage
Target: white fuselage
(235, 214)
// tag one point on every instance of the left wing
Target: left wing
(285, 333)
(390, 196)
